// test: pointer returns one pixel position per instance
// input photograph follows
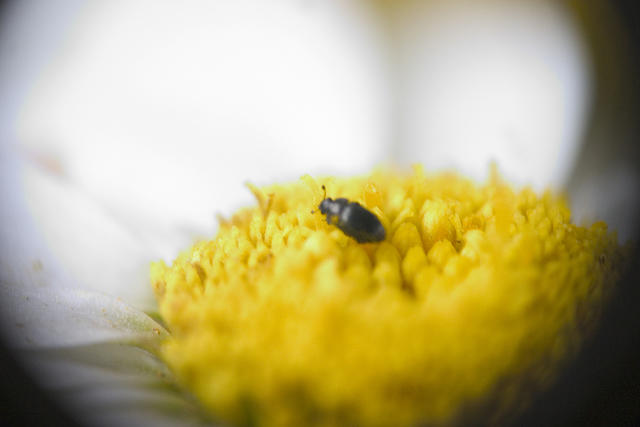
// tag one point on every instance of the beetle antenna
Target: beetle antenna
(325, 191)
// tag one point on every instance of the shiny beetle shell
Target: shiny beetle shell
(353, 219)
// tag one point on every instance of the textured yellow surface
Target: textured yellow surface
(478, 293)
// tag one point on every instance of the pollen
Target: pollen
(477, 295)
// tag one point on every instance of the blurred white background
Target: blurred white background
(130, 124)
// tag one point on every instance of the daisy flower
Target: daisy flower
(128, 127)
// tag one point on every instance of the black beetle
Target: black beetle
(353, 219)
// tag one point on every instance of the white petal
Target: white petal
(51, 228)
(97, 355)
(113, 384)
(24, 256)
(494, 81)
(163, 115)
(57, 317)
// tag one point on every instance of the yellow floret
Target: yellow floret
(283, 320)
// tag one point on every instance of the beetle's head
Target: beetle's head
(325, 205)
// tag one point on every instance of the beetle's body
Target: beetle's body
(353, 219)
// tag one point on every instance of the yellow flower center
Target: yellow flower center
(283, 320)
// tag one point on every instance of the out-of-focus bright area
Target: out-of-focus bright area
(159, 111)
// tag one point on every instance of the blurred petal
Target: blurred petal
(163, 110)
(24, 257)
(493, 81)
(65, 317)
(97, 355)
(50, 227)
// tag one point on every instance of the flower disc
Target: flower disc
(477, 294)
